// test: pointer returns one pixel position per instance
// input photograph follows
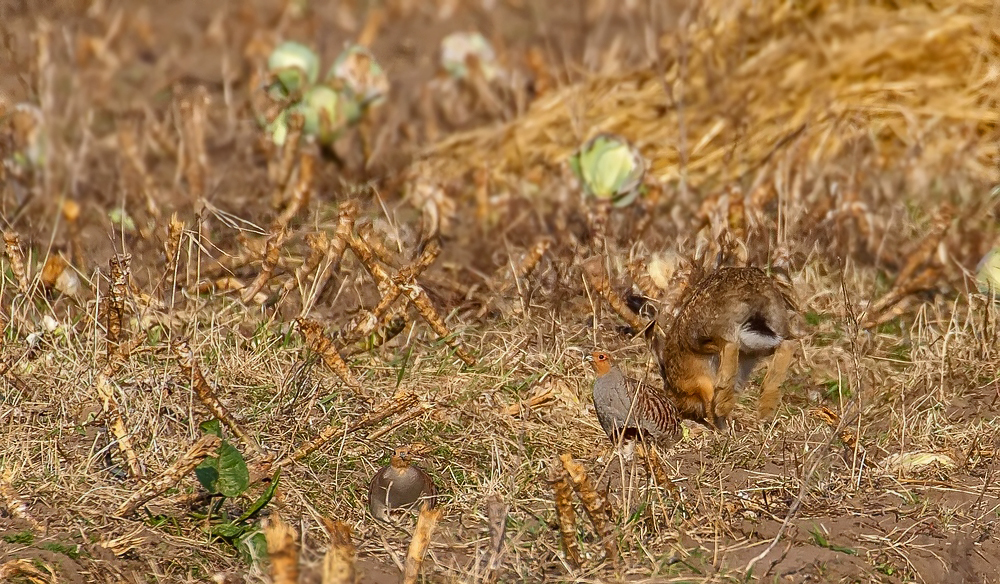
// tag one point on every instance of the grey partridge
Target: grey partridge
(400, 485)
(653, 414)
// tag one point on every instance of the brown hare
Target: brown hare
(730, 320)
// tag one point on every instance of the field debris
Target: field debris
(208, 396)
(421, 540)
(322, 345)
(205, 446)
(339, 562)
(283, 551)
(566, 514)
(16, 506)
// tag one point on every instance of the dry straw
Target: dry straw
(283, 551)
(209, 397)
(200, 450)
(105, 387)
(339, 561)
(917, 80)
(563, 494)
(399, 403)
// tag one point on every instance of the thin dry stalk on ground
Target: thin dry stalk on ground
(593, 270)
(114, 309)
(414, 292)
(181, 468)
(421, 540)
(12, 247)
(496, 516)
(281, 169)
(922, 271)
(565, 514)
(300, 192)
(400, 402)
(391, 287)
(347, 213)
(272, 252)
(117, 351)
(319, 244)
(192, 111)
(596, 506)
(71, 213)
(319, 343)
(172, 251)
(207, 396)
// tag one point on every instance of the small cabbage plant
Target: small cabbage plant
(610, 168)
(354, 84)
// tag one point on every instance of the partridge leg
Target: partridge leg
(725, 380)
(770, 394)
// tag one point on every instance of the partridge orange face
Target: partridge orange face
(601, 362)
(400, 458)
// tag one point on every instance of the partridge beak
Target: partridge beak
(589, 358)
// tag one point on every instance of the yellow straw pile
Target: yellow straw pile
(916, 82)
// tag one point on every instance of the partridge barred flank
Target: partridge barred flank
(624, 406)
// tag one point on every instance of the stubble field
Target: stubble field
(421, 282)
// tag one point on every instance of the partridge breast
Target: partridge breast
(399, 487)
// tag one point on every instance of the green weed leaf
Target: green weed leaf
(208, 473)
(228, 530)
(213, 426)
(226, 473)
(234, 477)
(263, 499)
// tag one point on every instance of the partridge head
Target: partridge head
(400, 485)
(626, 407)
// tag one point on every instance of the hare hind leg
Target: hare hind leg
(777, 370)
(703, 393)
(725, 384)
